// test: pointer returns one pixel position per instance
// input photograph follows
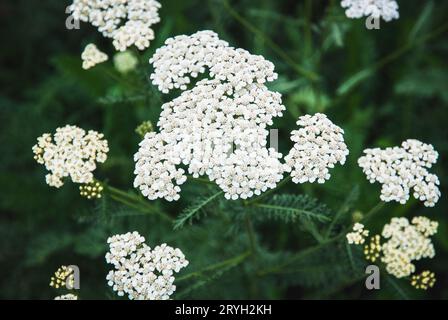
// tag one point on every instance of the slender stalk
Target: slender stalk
(134, 201)
(373, 211)
(368, 71)
(250, 234)
(122, 193)
(253, 252)
(308, 35)
(276, 48)
(117, 78)
(409, 45)
(126, 202)
(234, 260)
(312, 249)
(299, 256)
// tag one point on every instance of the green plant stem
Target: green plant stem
(373, 211)
(276, 48)
(308, 34)
(410, 44)
(134, 201)
(118, 79)
(126, 202)
(251, 234)
(312, 249)
(262, 196)
(231, 261)
(253, 253)
(299, 256)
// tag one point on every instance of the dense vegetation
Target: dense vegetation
(381, 86)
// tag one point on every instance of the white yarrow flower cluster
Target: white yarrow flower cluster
(142, 273)
(358, 235)
(185, 57)
(406, 243)
(218, 128)
(400, 169)
(127, 22)
(91, 56)
(70, 152)
(386, 9)
(318, 146)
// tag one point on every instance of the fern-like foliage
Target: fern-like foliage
(194, 210)
(325, 266)
(290, 208)
(204, 280)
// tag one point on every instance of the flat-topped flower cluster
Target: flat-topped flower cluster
(318, 146)
(402, 244)
(140, 272)
(127, 22)
(407, 242)
(400, 169)
(386, 9)
(70, 152)
(91, 56)
(219, 128)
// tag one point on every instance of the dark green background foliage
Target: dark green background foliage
(382, 86)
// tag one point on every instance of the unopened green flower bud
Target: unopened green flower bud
(144, 128)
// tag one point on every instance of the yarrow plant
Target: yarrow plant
(70, 152)
(219, 127)
(403, 243)
(140, 272)
(385, 9)
(127, 22)
(91, 56)
(400, 169)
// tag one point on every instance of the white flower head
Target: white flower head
(358, 235)
(400, 169)
(318, 146)
(70, 152)
(142, 273)
(386, 9)
(127, 22)
(218, 128)
(91, 56)
(185, 57)
(407, 242)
